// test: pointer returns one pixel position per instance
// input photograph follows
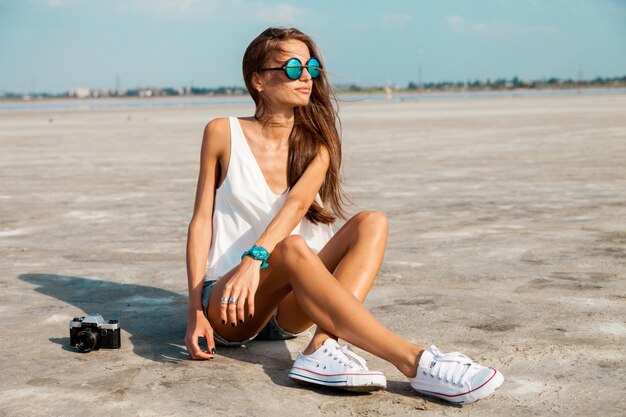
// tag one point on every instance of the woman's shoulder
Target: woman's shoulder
(219, 126)
(217, 131)
(216, 138)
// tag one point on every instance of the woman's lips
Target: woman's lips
(304, 89)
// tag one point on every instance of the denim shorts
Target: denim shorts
(271, 331)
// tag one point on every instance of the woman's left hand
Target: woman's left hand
(242, 286)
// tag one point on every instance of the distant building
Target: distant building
(152, 92)
(79, 92)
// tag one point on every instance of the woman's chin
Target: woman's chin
(302, 103)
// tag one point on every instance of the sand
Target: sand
(507, 242)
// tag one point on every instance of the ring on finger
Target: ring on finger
(224, 300)
(232, 300)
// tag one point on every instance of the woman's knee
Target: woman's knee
(373, 222)
(293, 248)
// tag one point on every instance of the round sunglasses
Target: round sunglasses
(293, 68)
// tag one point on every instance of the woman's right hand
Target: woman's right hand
(242, 286)
(199, 326)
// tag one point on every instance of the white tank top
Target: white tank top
(244, 206)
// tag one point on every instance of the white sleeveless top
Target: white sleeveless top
(244, 206)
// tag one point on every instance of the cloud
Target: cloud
(395, 19)
(184, 6)
(256, 11)
(499, 27)
(617, 9)
(251, 10)
(171, 9)
(459, 23)
(61, 3)
(275, 13)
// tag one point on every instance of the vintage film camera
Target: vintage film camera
(93, 332)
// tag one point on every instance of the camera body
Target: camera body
(93, 332)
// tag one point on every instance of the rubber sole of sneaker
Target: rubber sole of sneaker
(376, 383)
(474, 395)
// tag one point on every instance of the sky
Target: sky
(54, 45)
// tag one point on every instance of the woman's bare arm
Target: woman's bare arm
(200, 233)
(300, 198)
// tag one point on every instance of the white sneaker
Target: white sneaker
(454, 377)
(335, 366)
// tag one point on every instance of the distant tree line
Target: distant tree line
(488, 84)
(169, 91)
(515, 82)
(134, 92)
(496, 84)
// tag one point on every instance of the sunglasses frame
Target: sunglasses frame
(307, 66)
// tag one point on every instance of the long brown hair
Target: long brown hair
(315, 124)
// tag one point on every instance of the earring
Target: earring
(260, 90)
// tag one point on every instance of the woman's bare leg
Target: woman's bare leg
(353, 255)
(295, 267)
(357, 276)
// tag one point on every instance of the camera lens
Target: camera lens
(87, 340)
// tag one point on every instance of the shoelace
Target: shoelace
(345, 357)
(452, 367)
(347, 350)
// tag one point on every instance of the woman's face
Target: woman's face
(278, 90)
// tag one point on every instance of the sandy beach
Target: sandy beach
(507, 242)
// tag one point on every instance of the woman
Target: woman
(264, 187)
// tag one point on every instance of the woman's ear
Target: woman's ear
(257, 83)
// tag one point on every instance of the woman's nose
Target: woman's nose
(305, 70)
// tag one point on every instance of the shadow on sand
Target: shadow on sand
(155, 320)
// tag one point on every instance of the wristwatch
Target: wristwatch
(259, 253)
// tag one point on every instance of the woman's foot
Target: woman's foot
(317, 341)
(336, 366)
(454, 377)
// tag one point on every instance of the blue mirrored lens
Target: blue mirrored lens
(293, 68)
(314, 67)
